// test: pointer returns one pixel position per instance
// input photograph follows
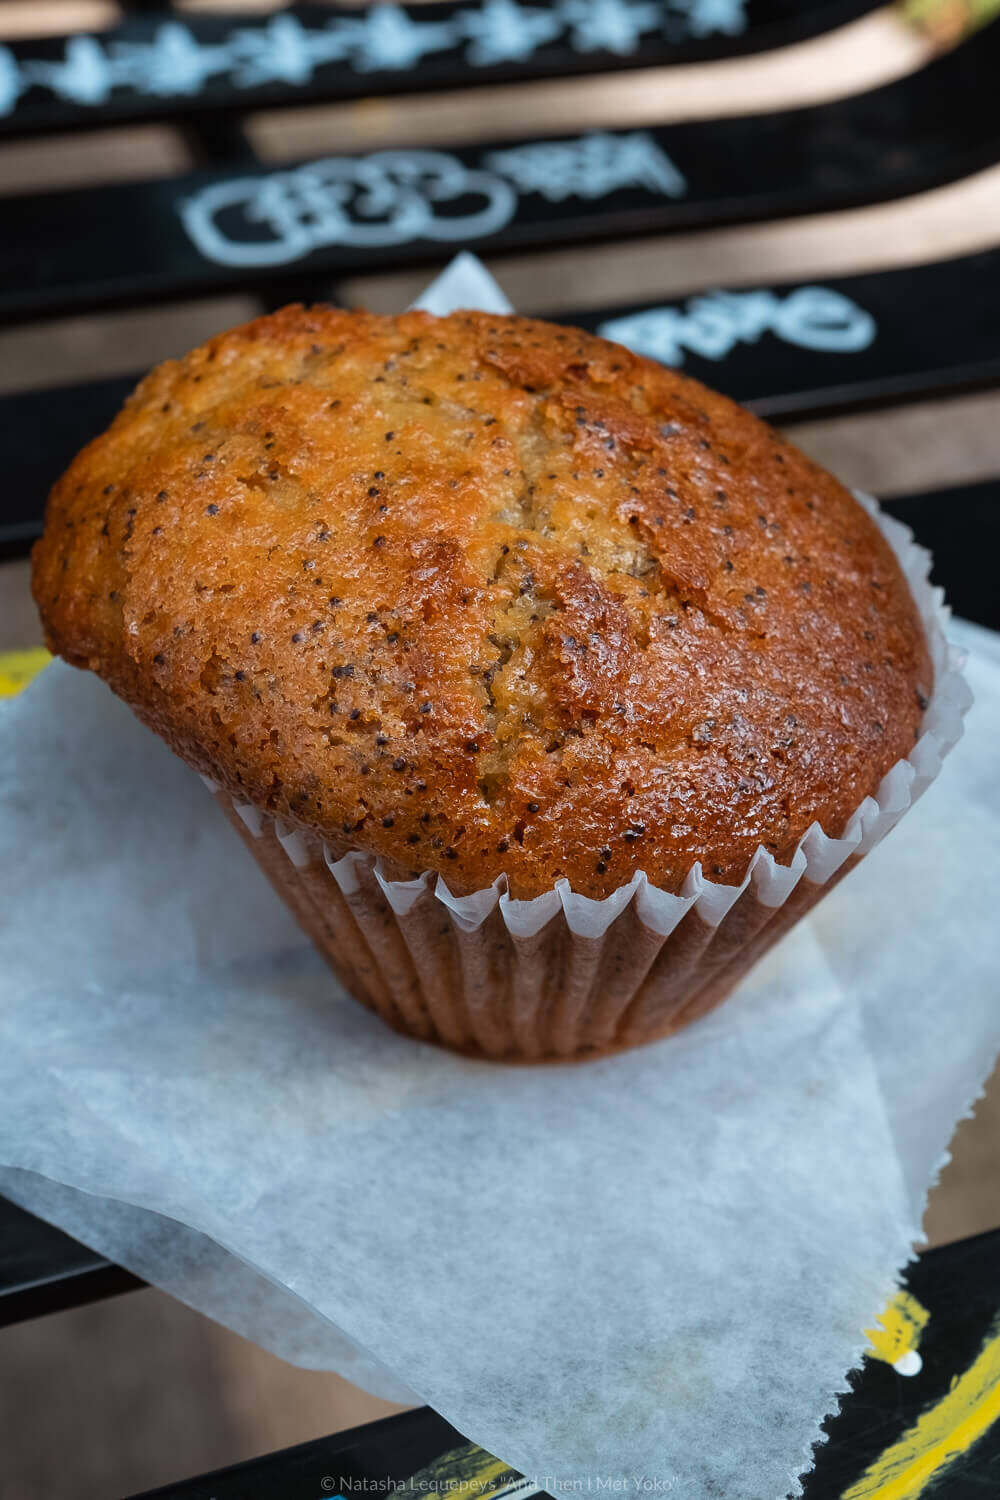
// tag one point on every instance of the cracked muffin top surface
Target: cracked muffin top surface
(485, 596)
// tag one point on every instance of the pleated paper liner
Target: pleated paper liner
(563, 976)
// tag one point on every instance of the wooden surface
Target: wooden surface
(131, 1393)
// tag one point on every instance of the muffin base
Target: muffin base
(492, 993)
(548, 996)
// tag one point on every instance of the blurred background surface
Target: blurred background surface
(133, 1392)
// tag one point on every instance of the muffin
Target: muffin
(473, 622)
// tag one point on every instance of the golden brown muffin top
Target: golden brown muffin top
(482, 595)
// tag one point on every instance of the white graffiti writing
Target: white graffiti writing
(174, 62)
(387, 198)
(706, 17)
(395, 197)
(811, 317)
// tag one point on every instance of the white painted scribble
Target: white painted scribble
(504, 31)
(175, 63)
(12, 82)
(396, 197)
(387, 198)
(611, 25)
(590, 167)
(285, 50)
(711, 17)
(811, 317)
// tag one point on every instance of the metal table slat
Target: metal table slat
(42, 1270)
(156, 66)
(961, 526)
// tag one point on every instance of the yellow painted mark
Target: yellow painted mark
(17, 668)
(941, 1435)
(946, 22)
(901, 1325)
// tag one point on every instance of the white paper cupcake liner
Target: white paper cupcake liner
(564, 976)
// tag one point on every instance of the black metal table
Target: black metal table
(954, 1395)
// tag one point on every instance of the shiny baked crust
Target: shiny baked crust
(483, 596)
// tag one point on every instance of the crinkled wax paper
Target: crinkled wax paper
(656, 1267)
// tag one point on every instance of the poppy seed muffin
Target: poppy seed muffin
(486, 597)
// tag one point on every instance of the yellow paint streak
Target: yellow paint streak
(941, 1435)
(467, 1473)
(17, 668)
(902, 1323)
